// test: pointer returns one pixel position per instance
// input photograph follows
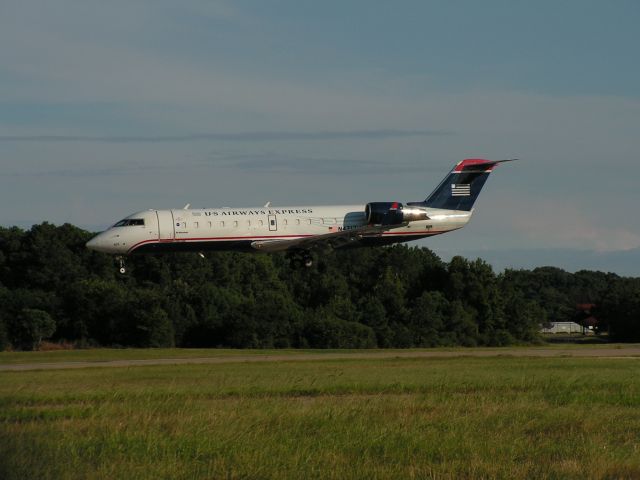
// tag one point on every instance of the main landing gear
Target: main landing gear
(123, 269)
(300, 258)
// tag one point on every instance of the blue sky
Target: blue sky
(111, 107)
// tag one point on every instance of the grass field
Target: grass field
(498, 417)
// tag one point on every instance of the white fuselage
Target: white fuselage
(237, 228)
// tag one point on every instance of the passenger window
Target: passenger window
(196, 225)
(309, 221)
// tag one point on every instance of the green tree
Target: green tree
(391, 291)
(99, 310)
(153, 327)
(620, 310)
(30, 327)
(429, 315)
(4, 336)
(460, 327)
(374, 315)
(403, 296)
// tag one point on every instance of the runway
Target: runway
(632, 351)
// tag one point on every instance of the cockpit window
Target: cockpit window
(129, 222)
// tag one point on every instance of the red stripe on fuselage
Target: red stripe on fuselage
(214, 239)
(262, 237)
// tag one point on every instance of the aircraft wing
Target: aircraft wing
(333, 239)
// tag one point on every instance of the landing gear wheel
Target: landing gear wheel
(299, 259)
(123, 270)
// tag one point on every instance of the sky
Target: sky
(107, 108)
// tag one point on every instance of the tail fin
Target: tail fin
(460, 189)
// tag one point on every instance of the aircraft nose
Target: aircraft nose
(97, 243)
(93, 243)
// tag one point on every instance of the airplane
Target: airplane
(299, 229)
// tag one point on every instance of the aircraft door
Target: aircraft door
(166, 227)
(273, 223)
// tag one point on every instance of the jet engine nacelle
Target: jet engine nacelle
(392, 213)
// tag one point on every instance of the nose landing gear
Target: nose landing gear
(123, 269)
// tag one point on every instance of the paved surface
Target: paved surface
(620, 352)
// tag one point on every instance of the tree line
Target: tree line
(52, 287)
